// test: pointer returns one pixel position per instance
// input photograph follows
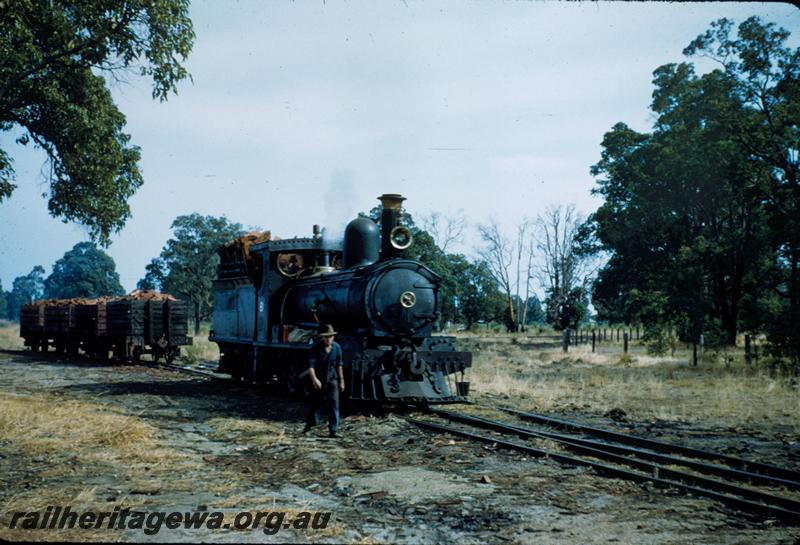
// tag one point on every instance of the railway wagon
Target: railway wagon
(31, 325)
(128, 327)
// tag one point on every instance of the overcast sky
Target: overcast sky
(304, 112)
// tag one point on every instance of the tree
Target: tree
(445, 229)
(511, 265)
(55, 59)
(482, 300)
(565, 271)
(3, 303)
(84, 271)
(188, 262)
(25, 289)
(764, 77)
(534, 313)
(695, 219)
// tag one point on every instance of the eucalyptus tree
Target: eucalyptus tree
(83, 271)
(187, 265)
(56, 59)
(695, 218)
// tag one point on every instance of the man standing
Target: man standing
(327, 380)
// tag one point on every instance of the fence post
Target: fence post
(604, 334)
(694, 354)
(617, 334)
(702, 346)
(625, 342)
(565, 340)
(637, 332)
(593, 340)
(747, 355)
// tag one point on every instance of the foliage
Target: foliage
(3, 302)
(764, 74)
(482, 301)
(55, 59)
(188, 262)
(24, 289)
(84, 271)
(534, 314)
(657, 339)
(696, 221)
(567, 310)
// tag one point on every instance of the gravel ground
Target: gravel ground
(236, 449)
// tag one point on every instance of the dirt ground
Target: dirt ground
(98, 436)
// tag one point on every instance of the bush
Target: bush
(658, 340)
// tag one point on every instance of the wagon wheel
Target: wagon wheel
(171, 354)
(161, 348)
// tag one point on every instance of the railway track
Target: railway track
(202, 369)
(637, 459)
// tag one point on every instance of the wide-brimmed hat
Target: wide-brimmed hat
(326, 331)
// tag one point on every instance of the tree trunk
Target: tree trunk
(196, 318)
(511, 325)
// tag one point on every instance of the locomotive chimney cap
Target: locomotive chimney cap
(391, 201)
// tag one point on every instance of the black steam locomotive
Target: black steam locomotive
(268, 307)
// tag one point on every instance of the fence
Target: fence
(624, 338)
(602, 335)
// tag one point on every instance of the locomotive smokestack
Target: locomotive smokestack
(394, 237)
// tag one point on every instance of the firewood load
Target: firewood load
(236, 253)
(147, 295)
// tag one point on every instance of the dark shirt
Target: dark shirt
(325, 363)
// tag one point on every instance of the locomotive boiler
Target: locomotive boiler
(271, 297)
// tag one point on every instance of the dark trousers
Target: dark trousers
(326, 399)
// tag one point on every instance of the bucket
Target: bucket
(462, 388)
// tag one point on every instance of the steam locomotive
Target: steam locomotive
(269, 304)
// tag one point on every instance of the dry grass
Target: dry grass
(261, 433)
(39, 500)
(9, 336)
(643, 386)
(201, 348)
(47, 425)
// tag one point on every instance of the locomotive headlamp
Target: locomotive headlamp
(401, 237)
